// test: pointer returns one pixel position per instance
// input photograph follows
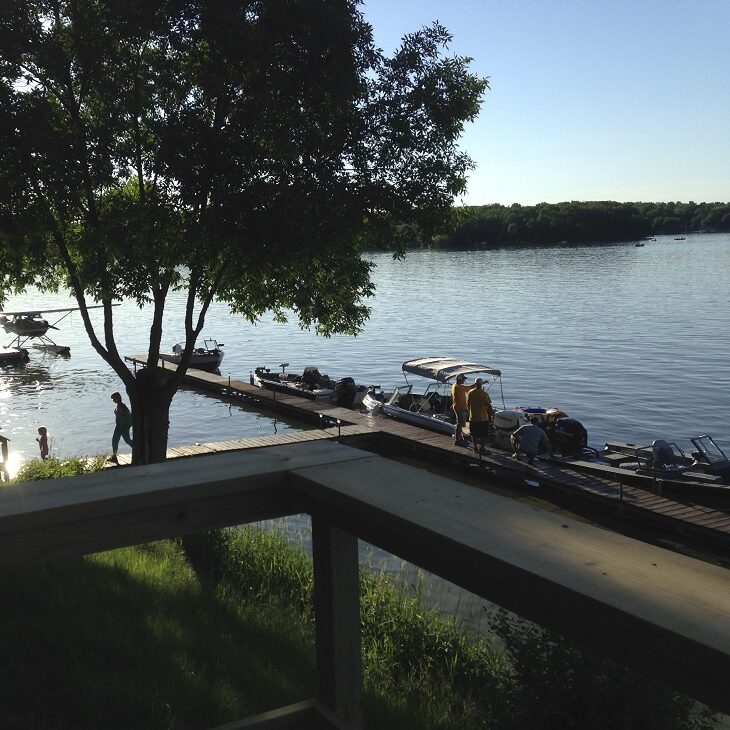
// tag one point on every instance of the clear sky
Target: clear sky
(625, 100)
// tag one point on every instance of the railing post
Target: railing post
(337, 620)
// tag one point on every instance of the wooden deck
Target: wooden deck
(645, 606)
(382, 433)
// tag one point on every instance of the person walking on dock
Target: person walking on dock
(123, 423)
(43, 442)
(480, 415)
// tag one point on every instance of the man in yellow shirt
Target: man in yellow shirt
(480, 409)
(459, 391)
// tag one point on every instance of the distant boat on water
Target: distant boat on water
(208, 357)
(680, 238)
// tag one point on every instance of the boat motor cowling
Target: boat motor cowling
(345, 390)
(505, 424)
(568, 436)
(508, 420)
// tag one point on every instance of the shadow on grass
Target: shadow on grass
(127, 639)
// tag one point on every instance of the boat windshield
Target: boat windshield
(711, 452)
(443, 389)
(400, 391)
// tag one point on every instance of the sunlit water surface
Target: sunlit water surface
(630, 340)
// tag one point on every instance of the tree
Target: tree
(244, 150)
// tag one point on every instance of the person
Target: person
(123, 417)
(479, 405)
(43, 442)
(459, 392)
(530, 439)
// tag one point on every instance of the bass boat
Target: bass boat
(208, 357)
(310, 384)
(701, 476)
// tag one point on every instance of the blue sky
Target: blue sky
(624, 100)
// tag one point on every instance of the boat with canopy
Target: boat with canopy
(430, 408)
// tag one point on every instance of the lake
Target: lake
(632, 341)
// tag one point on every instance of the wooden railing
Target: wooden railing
(642, 605)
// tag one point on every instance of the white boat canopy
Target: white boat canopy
(444, 369)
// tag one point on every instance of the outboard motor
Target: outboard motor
(568, 437)
(505, 424)
(344, 395)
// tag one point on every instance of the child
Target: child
(43, 442)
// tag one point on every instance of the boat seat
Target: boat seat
(406, 401)
(662, 459)
(437, 403)
(662, 453)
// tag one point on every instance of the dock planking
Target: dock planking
(710, 526)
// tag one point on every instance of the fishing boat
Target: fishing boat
(430, 408)
(702, 475)
(208, 357)
(310, 384)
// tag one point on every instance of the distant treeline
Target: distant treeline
(576, 222)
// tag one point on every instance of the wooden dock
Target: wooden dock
(380, 433)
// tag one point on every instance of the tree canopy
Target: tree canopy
(244, 150)
(577, 222)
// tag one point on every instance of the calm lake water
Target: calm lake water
(632, 341)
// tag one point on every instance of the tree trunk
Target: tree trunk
(151, 414)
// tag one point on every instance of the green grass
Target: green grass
(129, 639)
(218, 626)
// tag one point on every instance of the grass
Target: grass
(129, 639)
(198, 632)
(37, 470)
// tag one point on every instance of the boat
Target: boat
(431, 408)
(208, 357)
(310, 384)
(702, 476)
(680, 238)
